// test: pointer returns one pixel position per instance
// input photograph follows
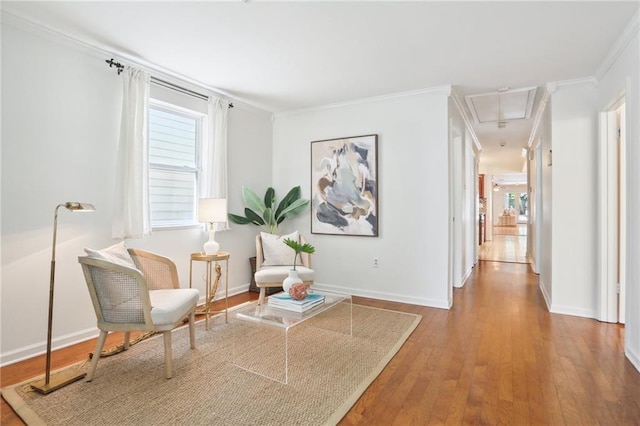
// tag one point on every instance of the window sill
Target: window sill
(176, 227)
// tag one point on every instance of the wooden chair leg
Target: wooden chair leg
(127, 340)
(96, 354)
(192, 330)
(263, 291)
(168, 357)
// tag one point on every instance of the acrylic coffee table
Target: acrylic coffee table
(265, 348)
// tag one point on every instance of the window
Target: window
(174, 164)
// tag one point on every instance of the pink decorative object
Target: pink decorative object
(298, 291)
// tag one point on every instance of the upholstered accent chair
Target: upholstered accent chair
(272, 268)
(143, 296)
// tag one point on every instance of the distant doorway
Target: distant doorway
(509, 244)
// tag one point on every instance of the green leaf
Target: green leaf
(294, 194)
(252, 201)
(295, 208)
(266, 211)
(269, 198)
(268, 216)
(240, 220)
(254, 217)
(300, 248)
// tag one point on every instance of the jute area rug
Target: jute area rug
(328, 371)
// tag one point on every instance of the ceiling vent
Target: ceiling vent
(502, 106)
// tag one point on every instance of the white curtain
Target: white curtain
(214, 154)
(132, 218)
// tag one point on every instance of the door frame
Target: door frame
(611, 215)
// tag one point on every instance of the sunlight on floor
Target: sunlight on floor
(509, 244)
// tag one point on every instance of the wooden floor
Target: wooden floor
(497, 357)
(508, 244)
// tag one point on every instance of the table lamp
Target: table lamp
(48, 385)
(212, 210)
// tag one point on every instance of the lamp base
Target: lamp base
(211, 246)
(57, 381)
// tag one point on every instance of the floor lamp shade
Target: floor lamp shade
(212, 210)
(48, 384)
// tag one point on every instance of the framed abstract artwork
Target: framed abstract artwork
(344, 186)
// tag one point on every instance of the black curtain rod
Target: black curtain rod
(163, 83)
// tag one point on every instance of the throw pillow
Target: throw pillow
(117, 253)
(275, 251)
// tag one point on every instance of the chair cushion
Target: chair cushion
(275, 251)
(276, 274)
(172, 305)
(116, 253)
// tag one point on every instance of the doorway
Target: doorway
(509, 218)
(612, 213)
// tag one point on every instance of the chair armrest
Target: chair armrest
(259, 252)
(159, 271)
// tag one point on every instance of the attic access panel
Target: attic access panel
(502, 106)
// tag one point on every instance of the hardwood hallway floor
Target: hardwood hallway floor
(507, 244)
(497, 357)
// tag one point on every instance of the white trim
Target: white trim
(553, 86)
(446, 90)
(98, 49)
(392, 297)
(633, 357)
(467, 275)
(618, 47)
(539, 113)
(570, 310)
(467, 122)
(26, 352)
(545, 295)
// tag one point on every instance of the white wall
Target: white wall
(623, 77)
(60, 114)
(545, 206)
(574, 136)
(532, 227)
(463, 195)
(413, 202)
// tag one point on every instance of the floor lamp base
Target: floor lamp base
(57, 381)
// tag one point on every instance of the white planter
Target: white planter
(292, 279)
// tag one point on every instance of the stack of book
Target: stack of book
(284, 301)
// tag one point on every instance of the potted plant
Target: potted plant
(299, 248)
(268, 214)
(290, 284)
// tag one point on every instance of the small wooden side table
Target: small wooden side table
(212, 287)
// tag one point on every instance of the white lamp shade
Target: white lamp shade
(212, 210)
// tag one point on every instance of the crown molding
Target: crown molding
(546, 94)
(630, 31)
(445, 90)
(467, 122)
(554, 86)
(98, 49)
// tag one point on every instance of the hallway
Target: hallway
(509, 244)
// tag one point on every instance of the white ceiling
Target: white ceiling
(283, 56)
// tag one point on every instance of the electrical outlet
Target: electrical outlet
(376, 262)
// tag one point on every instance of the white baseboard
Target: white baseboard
(565, 310)
(576, 312)
(633, 357)
(26, 352)
(392, 297)
(547, 297)
(466, 277)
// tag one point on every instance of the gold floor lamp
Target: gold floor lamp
(48, 385)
